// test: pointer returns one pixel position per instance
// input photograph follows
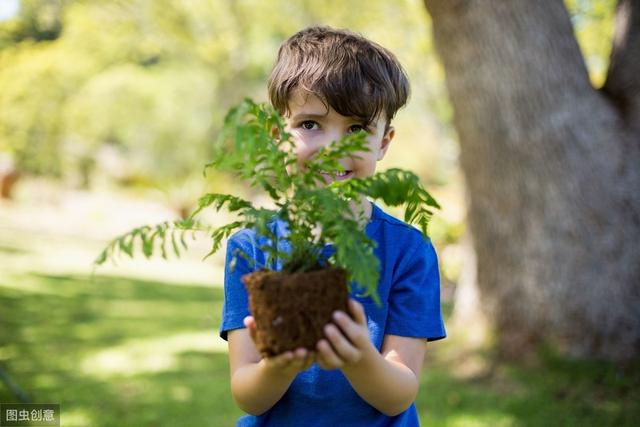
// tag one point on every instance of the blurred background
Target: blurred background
(108, 110)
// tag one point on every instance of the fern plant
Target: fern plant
(316, 214)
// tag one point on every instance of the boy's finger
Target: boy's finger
(350, 329)
(296, 359)
(282, 359)
(250, 323)
(357, 312)
(304, 358)
(354, 333)
(330, 358)
(300, 354)
(310, 359)
(342, 347)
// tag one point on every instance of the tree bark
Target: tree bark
(552, 170)
(623, 79)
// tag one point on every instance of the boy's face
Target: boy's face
(313, 127)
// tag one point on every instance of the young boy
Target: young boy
(366, 372)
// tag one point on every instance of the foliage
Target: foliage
(593, 27)
(136, 78)
(247, 148)
(133, 78)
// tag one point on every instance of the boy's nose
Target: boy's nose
(323, 142)
(331, 136)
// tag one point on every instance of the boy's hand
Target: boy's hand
(288, 363)
(347, 339)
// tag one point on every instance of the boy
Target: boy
(327, 83)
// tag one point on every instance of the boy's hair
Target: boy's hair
(353, 75)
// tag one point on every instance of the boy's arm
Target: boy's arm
(388, 381)
(258, 383)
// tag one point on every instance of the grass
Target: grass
(116, 351)
(126, 351)
(553, 392)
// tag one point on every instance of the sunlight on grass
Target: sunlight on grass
(50, 253)
(28, 285)
(75, 417)
(173, 271)
(485, 420)
(151, 355)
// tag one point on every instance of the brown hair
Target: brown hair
(353, 75)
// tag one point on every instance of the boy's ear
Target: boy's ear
(386, 141)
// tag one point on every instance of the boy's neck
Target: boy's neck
(362, 210)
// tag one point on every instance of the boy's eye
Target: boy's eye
(357, 128)
(308, 124)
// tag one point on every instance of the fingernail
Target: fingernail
(337, 315)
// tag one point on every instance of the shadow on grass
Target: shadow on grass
(553, 391)
(116, 351)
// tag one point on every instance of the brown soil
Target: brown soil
(291, 310)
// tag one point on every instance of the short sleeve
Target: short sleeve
(236, 304)
(414, 299)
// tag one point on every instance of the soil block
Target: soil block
(291, 310)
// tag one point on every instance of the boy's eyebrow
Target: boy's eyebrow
(308, 116)
(301, 116)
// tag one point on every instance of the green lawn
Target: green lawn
(118, 351)
(554, 392)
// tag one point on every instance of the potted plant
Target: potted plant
(291, 306)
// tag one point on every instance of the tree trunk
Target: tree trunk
(553, 173)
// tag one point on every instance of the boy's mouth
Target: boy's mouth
(340, 176)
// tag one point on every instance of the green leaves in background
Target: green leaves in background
(134, 91)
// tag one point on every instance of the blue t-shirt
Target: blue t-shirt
(409, 289)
